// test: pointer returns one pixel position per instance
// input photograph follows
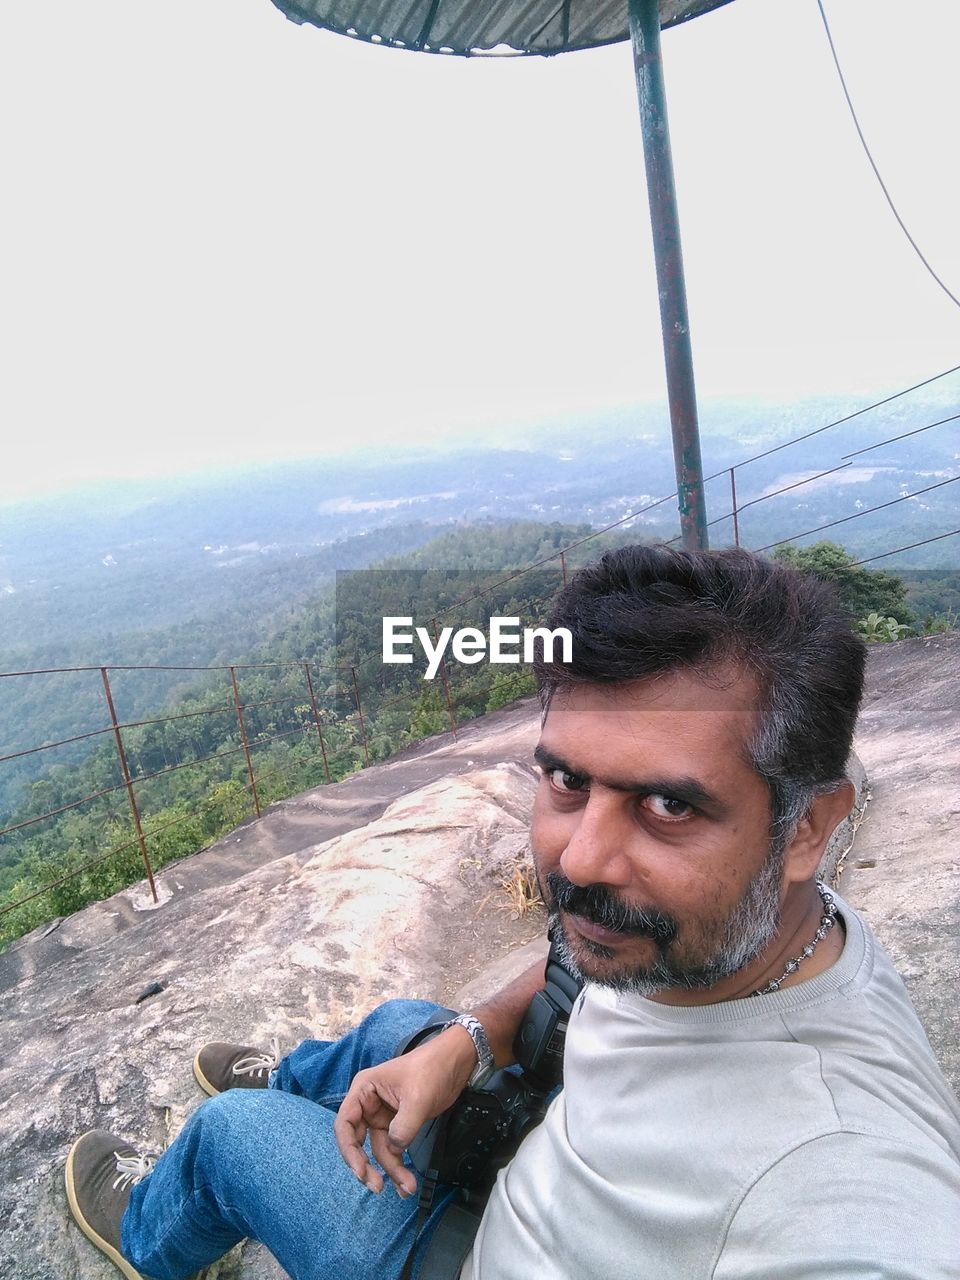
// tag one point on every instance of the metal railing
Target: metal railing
(348, 702)
(131, 778)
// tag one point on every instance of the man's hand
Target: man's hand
(393, 1100)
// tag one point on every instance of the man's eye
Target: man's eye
(561, 780)
(668, 807)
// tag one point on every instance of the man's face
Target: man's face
(651, 832)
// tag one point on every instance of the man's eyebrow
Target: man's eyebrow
(689, 790)
(547, 760)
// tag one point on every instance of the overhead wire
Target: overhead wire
(903, 436)
(797, 484)
(857, 514)
(873, 164)
(837, 422)
(883, 554)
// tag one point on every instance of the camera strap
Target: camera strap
(538, 1045)
(450, 1243)
(538, 1048)
(428, 1189)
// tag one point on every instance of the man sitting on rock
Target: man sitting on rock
(748, 1093)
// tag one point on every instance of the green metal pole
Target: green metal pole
(674, 319)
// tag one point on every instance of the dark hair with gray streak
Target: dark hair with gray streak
(641, 611)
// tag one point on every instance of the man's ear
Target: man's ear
(802, 856)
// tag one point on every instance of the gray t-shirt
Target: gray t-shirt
(804, 1135)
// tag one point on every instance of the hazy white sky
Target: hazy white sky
(226, 237)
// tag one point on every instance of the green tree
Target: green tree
(862, 591)
(429, 714)
(509, 685)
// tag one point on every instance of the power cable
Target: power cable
(857, 514)
(873, 164)
(765, 497)
(870, 447)
(883, 555)
(836, 423)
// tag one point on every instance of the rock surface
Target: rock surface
(412, 903)
(903, 873)
(389, 883)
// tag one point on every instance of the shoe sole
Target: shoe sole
(202, 1080)
(103, 1245)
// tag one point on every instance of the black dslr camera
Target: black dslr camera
(469, 1143)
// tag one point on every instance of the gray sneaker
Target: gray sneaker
(101, 1169)
(220, 1066)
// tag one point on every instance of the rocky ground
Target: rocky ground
(903, 873)
(396, 882)
(389, 883)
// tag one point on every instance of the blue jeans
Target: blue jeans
(263, 1163)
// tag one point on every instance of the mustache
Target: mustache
(598, 905)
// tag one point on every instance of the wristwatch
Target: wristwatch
(485, 1067)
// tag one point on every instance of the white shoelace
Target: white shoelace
(258, 1063)
(131, 1169)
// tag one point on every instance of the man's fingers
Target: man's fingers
(364, 1110)
(349, 1130)
(349, 1138)
(391, 1162)
(406, 1124)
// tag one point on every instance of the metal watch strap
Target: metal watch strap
(474, 1028)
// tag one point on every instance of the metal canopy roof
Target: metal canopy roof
(492, 27)
(519, 27)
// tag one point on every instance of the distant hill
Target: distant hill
(82, 571)
(210, 568)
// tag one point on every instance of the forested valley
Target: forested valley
(192, 780)
(168, 582)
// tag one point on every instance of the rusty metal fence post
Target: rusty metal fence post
(316, 718)
(363, 727)
(733, 499)
(446, 683)
(128, 781)
(243, 739)
(563, 567)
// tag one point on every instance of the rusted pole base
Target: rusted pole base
(128, 781)
(243, 738)
(363, 727)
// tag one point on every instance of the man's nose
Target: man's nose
(598, 850)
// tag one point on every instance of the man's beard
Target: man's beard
(724, 947)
